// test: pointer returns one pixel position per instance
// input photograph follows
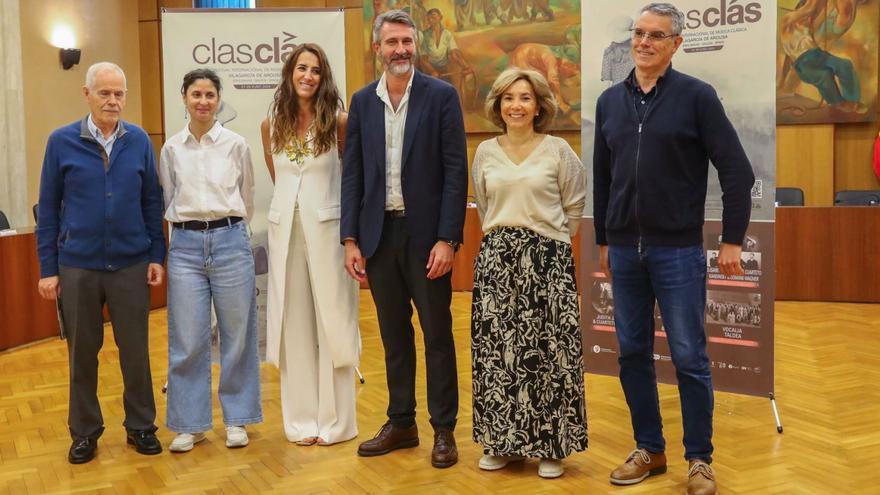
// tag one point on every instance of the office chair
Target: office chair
(36, 210)
(857, 198)
(789, 196)
(4, 222)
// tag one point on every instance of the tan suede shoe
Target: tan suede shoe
(639, 465)
(701, 479)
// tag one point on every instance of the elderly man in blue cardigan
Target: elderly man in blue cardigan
(100, 240)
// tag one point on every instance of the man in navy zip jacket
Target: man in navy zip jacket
(655, 135)
(100, 240)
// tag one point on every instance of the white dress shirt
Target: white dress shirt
(395, 122)
(208, 179)
(106, 143)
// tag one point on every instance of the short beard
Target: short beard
(400, 70)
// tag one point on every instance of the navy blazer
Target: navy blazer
(434, 175)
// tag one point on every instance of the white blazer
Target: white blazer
(315, 187)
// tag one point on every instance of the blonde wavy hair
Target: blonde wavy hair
(545, 99)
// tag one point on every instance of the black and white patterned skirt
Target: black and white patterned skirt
(528, 381)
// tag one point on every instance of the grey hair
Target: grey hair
(667, 10)
(93, 71)
(395, 16)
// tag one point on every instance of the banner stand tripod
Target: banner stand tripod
(776, 413)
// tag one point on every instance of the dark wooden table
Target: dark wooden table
(828, 253)
(24, 316)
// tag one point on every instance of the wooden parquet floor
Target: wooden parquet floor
(827, 375)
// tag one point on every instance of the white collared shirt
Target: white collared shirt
(395, 122)
(209, 179)
(106, 143)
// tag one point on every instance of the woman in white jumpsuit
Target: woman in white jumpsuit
(312, 313)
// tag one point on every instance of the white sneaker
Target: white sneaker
(496, 462)
(236, 437)
(184, 442)
(550, 468)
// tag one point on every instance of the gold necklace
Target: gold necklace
(299, 149)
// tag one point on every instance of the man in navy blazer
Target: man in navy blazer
(404, 190)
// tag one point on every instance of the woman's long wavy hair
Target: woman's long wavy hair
(285, 106)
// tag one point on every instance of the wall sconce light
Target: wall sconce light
(69, 57)
(63, 38)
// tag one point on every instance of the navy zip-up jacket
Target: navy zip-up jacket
(650, 178)
(97, 217)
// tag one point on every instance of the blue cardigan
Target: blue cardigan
(96, 218)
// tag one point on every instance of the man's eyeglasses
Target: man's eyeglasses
(638, 34)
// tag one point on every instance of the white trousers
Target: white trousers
(317, 400)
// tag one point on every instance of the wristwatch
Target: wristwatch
(453, 244)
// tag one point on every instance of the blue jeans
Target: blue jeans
(676, 278)
(204, 266)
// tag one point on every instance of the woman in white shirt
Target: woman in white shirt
(312, 308)
(208, 182)
(528, 387)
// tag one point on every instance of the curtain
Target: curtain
(221, 4)
(13, 172)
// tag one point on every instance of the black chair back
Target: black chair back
(4, 222)
(857, 198)
(36, 209)
(789, 196)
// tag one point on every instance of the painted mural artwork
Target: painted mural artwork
(826, 64)
(469, 42)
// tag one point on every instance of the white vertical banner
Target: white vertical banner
(732, 46)
(247, 49)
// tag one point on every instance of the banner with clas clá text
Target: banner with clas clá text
(247, 48)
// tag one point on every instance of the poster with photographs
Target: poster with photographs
(739, 314)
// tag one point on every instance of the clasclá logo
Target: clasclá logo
(217, 52)
(729, 12)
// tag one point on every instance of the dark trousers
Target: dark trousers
(397, 276)
(127, 295)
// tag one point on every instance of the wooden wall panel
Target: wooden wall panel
(148, 10)
(151, 77)
(354, 50)
(805, 159)
(853, 154)
(175, 4)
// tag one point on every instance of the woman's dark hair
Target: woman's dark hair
(285, 106)
(194, 75)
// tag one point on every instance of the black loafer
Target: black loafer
(145, 442)
(82, 450)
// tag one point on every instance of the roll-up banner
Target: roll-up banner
(725, 44)
(246, 48)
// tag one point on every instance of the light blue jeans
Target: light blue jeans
(204, 266)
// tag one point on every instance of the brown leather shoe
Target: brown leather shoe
(445, 453)
(639, 465)
(701, 479)
(390, 438)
